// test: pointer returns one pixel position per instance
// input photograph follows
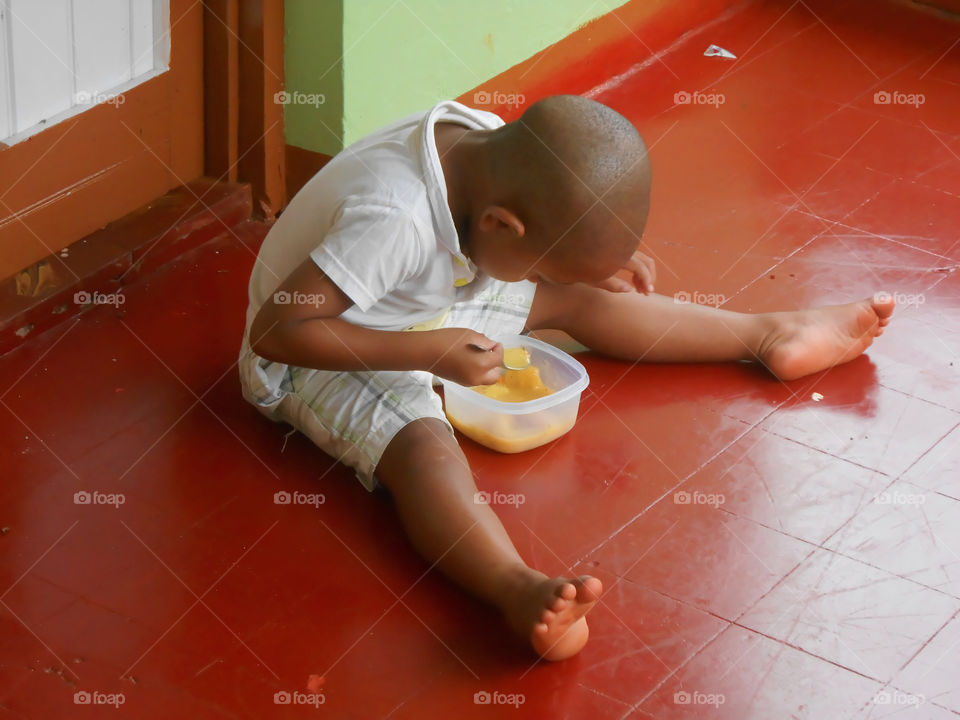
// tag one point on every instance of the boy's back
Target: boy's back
(375, 220)
(375, 212)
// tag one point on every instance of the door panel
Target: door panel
(103, 55)
(39, 32)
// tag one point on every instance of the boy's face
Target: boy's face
(503, 249)
(513, 264)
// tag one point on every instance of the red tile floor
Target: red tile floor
(822, 580)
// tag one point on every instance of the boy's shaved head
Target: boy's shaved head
(552, 164)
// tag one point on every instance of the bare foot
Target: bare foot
(549, 612)
(808, 341)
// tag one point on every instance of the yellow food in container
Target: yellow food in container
(503, 439)
(524, 408)
(516, 386)
(516, 358)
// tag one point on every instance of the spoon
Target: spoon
(515, 358)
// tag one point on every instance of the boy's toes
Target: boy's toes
(561, 629)
(589, 589)
(883, 303)
(558, 603)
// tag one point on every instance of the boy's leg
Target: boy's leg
(428, 476)
(655, 328)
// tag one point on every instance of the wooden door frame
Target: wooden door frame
(67, 181)
(243, 73)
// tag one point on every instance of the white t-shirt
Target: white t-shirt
(375, 219)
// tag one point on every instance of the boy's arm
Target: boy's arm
(308, 332)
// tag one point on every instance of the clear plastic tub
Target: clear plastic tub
(515, 427)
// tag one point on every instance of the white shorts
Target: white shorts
(353, 416)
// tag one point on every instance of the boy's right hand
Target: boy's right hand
(466, 357)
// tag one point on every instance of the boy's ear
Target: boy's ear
(496, 217)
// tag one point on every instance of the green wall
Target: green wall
(401, 56)
(313, 65)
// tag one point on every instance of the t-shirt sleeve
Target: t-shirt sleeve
(370, 250)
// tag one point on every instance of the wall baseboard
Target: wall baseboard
(302, 165)
(54, 289)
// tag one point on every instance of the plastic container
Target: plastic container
(515, 427)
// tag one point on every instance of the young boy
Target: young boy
(400, 258)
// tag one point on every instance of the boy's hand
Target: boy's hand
(640, 274)
(465, 356)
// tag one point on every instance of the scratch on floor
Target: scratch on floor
(207, 667)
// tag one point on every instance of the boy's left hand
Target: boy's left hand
(638, 274)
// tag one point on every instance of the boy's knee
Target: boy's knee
(554, 306)
(420, 447)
